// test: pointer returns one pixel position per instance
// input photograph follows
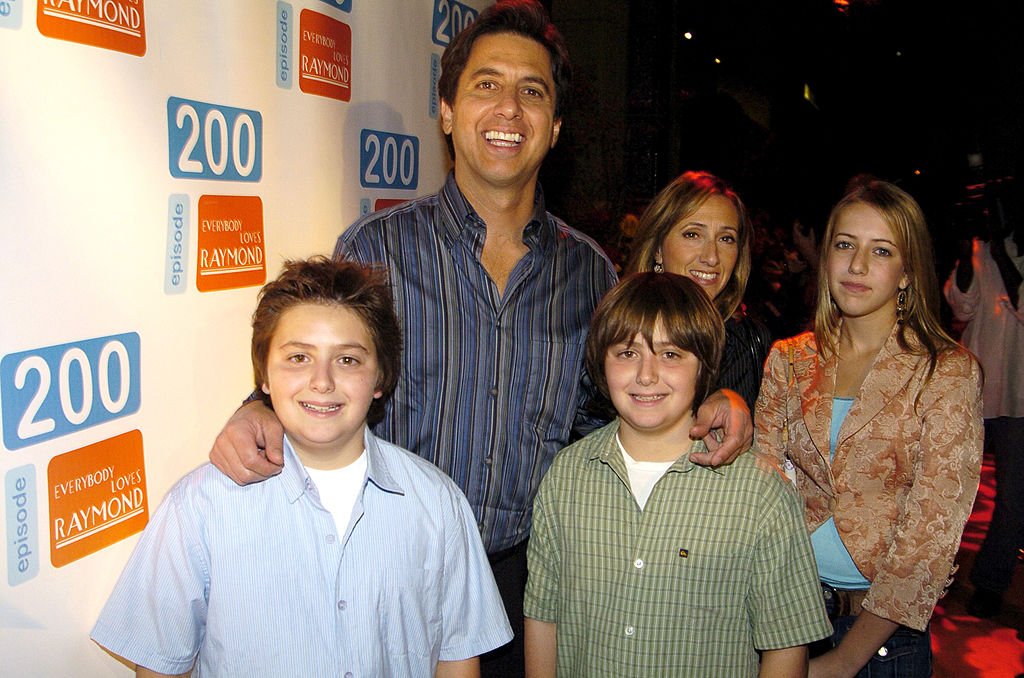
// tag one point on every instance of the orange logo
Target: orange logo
(231, 252)
(325, 56)
(111, 24)
(97, 497)
(384, 203)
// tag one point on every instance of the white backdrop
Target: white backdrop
(159, 159)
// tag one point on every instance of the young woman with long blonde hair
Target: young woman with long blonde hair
(877, 416)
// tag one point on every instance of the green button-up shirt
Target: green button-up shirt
(717, 564)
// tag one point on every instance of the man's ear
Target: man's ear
(265, 388)
(556, 128)
(446, 117)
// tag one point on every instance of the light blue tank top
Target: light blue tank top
(835, 566)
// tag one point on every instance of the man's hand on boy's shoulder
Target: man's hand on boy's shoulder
(250, 448)
(724, 422)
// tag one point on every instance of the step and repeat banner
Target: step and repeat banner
(159, 160)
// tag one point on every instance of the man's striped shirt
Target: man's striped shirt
(491, 384)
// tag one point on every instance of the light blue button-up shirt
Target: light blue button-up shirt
(254, 580)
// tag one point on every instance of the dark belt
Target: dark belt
(511, 551)
(843, 602)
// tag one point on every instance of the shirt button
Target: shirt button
(487, 461)
(494, 393)
(630, 631)
(638, 563)
(348, 674)
(342, 605)
(330, 539)
(882, 651)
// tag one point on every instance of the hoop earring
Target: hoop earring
(901, 306)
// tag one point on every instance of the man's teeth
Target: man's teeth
(323, 409)
(513, 137)
(703, 275)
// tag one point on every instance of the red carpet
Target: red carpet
(965, 646)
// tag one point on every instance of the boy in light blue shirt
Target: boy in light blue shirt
(359, 559)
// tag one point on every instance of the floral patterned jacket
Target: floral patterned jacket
(906, 467)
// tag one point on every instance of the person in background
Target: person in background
(697, 227)
(621, 245)
(877, 416)
(984, 292)
(783, 282)
(494, 295)
(642, 563)
(377, 565)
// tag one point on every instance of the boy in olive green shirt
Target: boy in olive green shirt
(642, 563)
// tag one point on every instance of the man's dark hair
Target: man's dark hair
(519, 17)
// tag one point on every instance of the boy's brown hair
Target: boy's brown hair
(642, 300)
(320, 280)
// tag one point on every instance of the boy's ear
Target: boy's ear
(265, 388)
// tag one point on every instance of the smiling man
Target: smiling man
(494, 295)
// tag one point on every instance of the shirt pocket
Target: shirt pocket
(551, 395)
(409, 612)
(710, 584)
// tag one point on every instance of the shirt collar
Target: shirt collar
(459, 220)
(607, 451)
(294, 477)
(377, 471)
(297, 481)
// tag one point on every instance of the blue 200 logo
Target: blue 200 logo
(344, 5)
(450, 17)
(388, 160)
(211, 141)
(50, 392)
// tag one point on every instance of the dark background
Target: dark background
(807, 94)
